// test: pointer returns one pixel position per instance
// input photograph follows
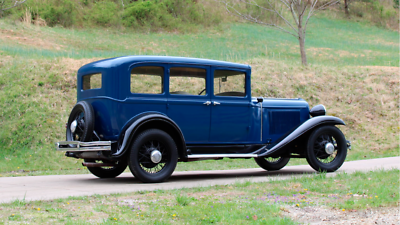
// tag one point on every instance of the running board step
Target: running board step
(212, 156)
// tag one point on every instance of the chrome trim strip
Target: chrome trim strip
(77, 146)
(203, 156)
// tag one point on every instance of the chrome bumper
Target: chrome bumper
(77, 146)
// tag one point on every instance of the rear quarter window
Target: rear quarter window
(92, 81)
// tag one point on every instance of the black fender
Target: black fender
(300, 130)
(141, 122)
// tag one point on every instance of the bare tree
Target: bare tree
(9, 4)
(293, 14)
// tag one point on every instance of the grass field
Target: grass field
(273, 202)
(353, 71)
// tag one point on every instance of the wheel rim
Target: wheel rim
(320, 150)
(145, 157)
(77, 126)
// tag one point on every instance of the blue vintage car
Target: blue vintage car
(150, 112)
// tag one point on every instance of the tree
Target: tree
(294, 15)
(346, 7)
(9, 4)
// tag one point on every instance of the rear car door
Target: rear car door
(189, 103)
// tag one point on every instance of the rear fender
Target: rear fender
(299, 131)
(141, 122)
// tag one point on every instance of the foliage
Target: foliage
(9, 4)
(148, 14)
(381, 13)
(167, 14)
(104, 13)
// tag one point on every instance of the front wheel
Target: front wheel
(153, 156)
(326, 149)
(271, 163)
(107, 172)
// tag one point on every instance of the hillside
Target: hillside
(354, 72)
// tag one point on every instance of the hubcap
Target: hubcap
(73, 126)
(329, 148)
(155, 156)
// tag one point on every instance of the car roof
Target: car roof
(114, 62)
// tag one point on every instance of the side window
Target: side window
(92, 81)
(187, 81)
(229, 83)
(147, 80)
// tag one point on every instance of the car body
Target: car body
(149, 112)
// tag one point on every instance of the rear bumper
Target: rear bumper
(77, 146)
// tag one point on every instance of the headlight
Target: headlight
(318, 110)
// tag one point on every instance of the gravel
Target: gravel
(324, 215)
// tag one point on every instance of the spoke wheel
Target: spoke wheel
(107, 172)
(272, 163)
(153, 156)
(326, 149)
(80, 123)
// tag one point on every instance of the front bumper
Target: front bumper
(77, 146)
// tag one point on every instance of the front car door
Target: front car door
(231, 111)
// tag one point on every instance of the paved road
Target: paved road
(61, 186)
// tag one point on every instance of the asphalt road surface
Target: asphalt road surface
(62, 186)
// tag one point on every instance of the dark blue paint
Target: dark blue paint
(237, 120)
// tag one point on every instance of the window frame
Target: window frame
(90, 75)
(163, 79)
(207, 81)
(246, 84)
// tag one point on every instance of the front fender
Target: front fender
(300, 130)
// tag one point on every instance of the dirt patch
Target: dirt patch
(323, 215)
(383, 69)
(11, 35)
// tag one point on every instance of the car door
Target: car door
(189, 103)
(230, 111)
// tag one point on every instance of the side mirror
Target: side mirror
(259, 99)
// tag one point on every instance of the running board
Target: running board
(213, 156)
(232, 155)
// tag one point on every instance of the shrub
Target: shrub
(396, 4)
(104, 13)
(60, 12)
(151, 14)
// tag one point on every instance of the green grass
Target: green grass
(329, 42)
(38, 86)
(239, 203)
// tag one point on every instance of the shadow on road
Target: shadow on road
(128, 178)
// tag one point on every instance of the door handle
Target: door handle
(207, 103)
(217, 103)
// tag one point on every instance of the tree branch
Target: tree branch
(255, 20)
(16, 3)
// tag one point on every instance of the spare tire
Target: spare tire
(81, 122)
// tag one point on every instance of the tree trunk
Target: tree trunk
(346, 7)
(302, 47)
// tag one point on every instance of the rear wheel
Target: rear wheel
(326, 149)
(107, 172)
(272, 163)
(153, 156)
